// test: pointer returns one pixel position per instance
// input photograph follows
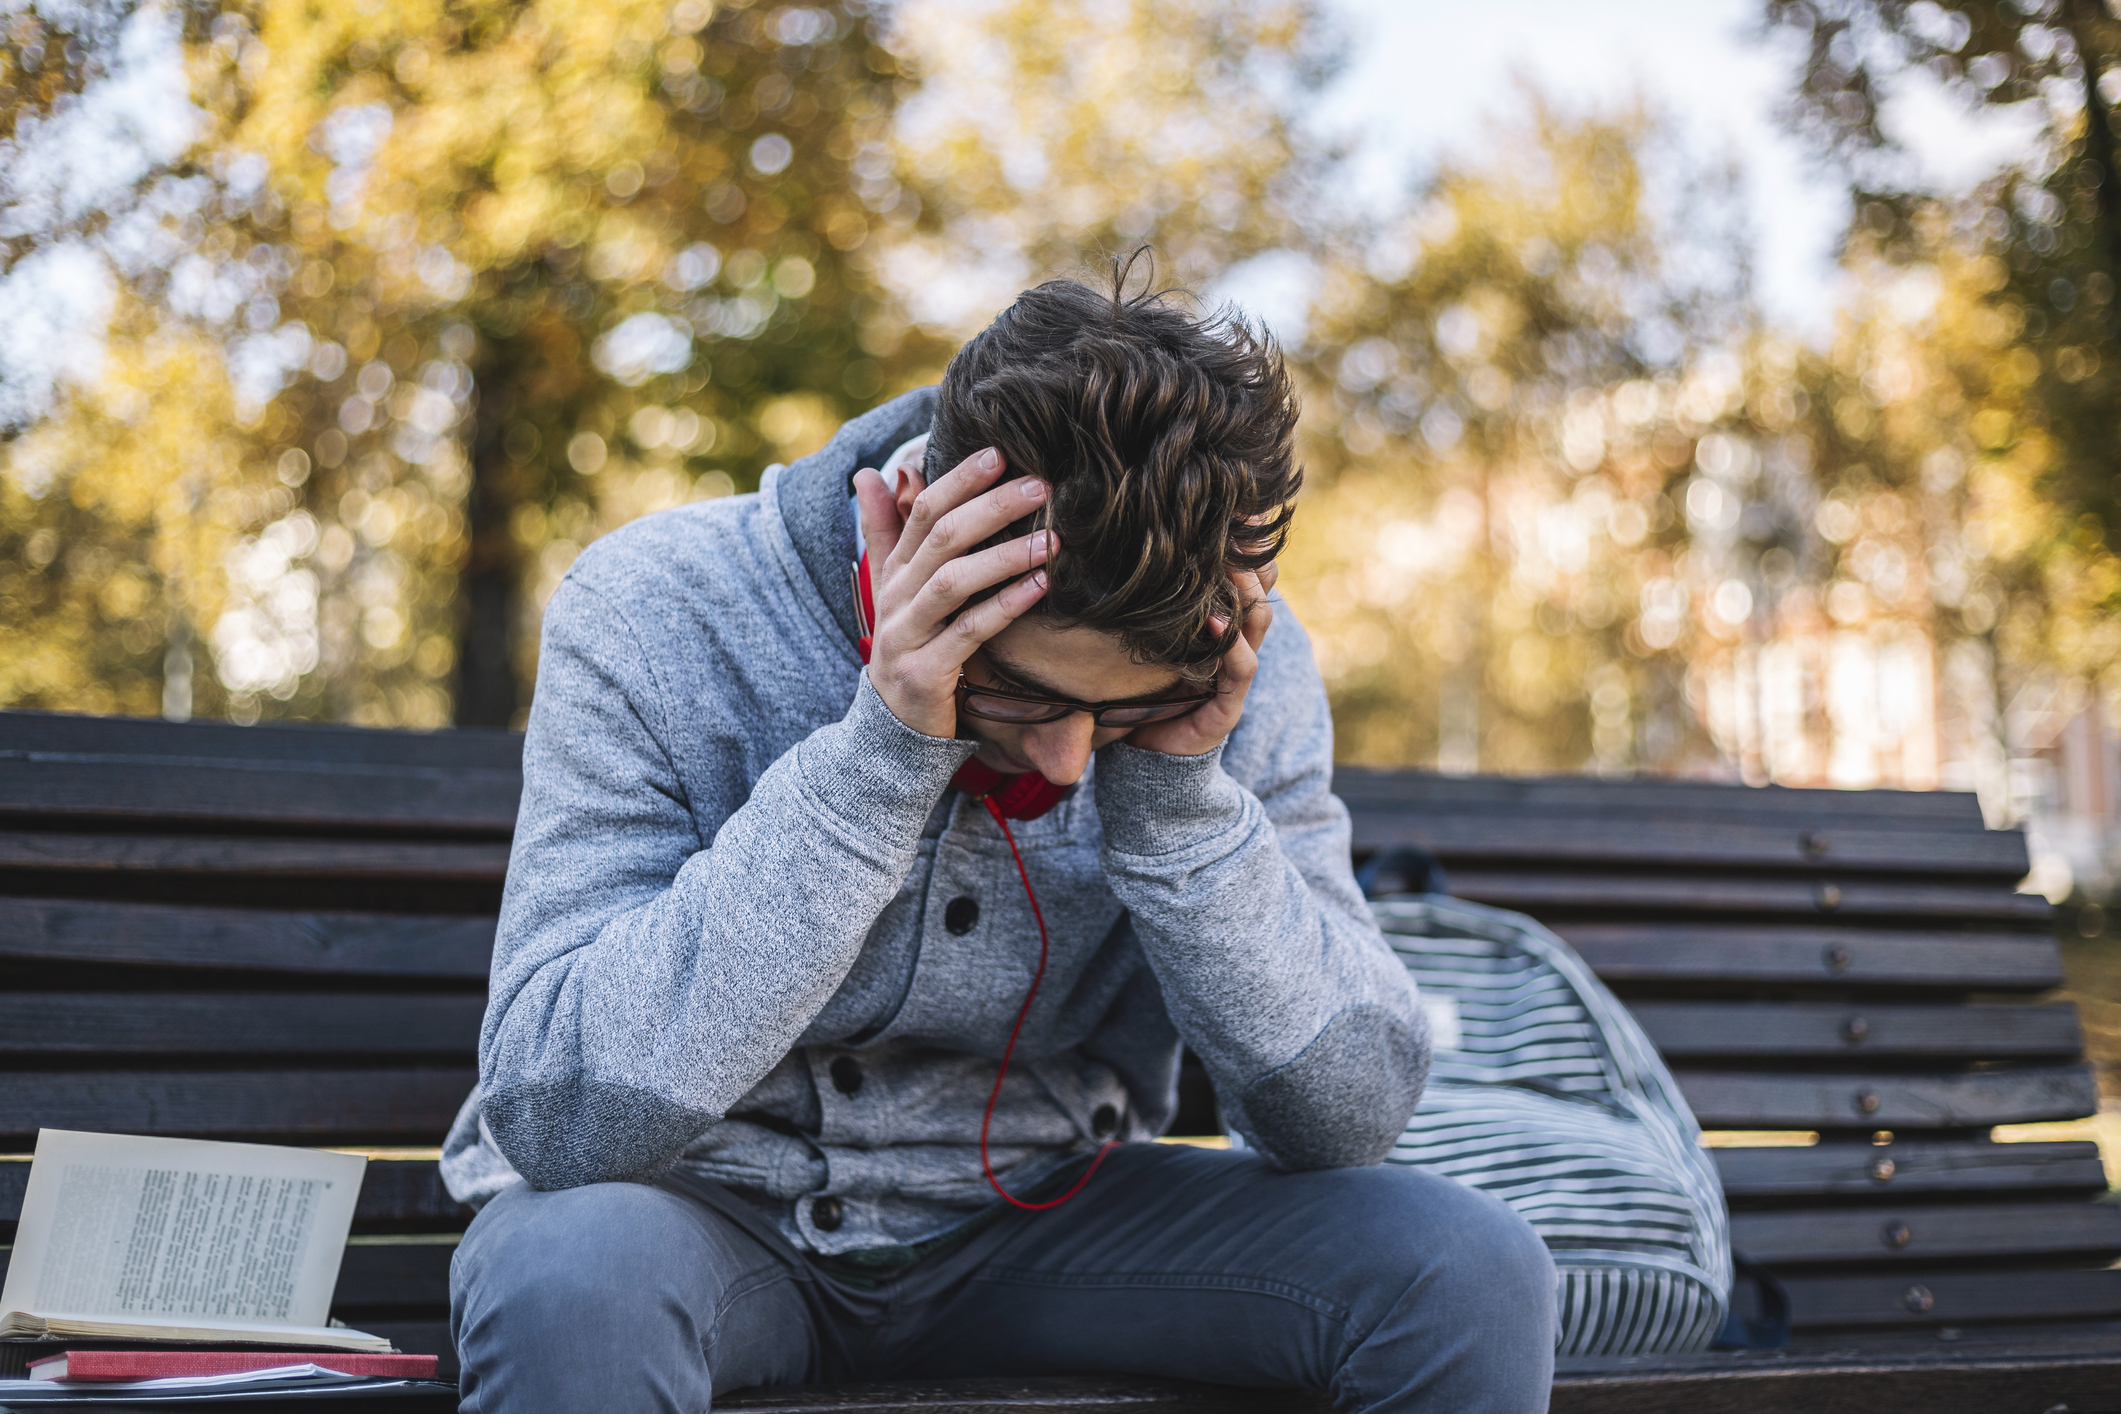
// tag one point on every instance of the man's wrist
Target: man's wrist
(1155, 803)
(879, 770)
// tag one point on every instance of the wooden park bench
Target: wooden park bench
(281, 934)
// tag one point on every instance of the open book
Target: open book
(125, 1238)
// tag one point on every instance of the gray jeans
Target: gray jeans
(1392, 1288)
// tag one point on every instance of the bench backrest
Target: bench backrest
(270, 934)
(281, 934)
(1855, 964)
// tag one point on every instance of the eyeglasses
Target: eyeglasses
(1000, 704)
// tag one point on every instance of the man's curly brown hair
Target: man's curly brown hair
(1168, 442)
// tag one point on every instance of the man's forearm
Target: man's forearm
(628, 1018)
(1308, 1026)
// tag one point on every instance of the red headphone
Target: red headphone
(1006, 798)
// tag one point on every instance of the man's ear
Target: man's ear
(910, 485)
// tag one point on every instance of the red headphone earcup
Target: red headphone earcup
(1024, 797)
(1029, 796)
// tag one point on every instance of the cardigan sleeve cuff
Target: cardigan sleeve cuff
(876, 773)
(1154, 804)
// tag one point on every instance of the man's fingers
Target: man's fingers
(959, 579)
(1238, 667)
(1268, 575)
(990, 616)
(932, 503)
(881, 522)
(966, 525)
(1257, 623)
(1252, 589)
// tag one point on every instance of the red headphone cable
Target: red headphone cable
(1010, 1049)
(984, 782)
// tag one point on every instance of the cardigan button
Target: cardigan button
(826, 1214)
(846, 1075)
(962, 915)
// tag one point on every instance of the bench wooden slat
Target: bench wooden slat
(1852, 957)
(397, 1195)
(1871, 1374)
(418, 1273)
(1538, 891)
(1926, 1167)
(414, 1274)
(1948, 1298)
(387, 1028)
(299, 1106)
(1460, 840)
(408, 1194)
(418, 1337)
(1765, 1030)
(1902, 1233)
(371, 945)
(60, 733)
(240, 857)
(393, 1276)
(1764, 1100)
(145, 790)
(1619, 804)
(1077, 1394)
(258, 1023)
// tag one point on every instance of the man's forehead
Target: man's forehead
(1077, 663)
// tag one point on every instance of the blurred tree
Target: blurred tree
(517, 223)
(1501, 554)
(455, 287)
(2053, 229)
(473, 282)
(1937, 509)
(123, 470)
(1047, 135)
(115, 519)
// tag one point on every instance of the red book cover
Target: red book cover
(164, 1364)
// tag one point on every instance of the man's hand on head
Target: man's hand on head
(921, 576)
(1201, 731)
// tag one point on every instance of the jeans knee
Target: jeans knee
(1514, 1252)
(1453, 1240)
(1461, 1308)
(560, 1253)
(1495, 1257)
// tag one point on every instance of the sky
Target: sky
(1428, 78)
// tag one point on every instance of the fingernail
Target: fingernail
(1040, 543)
(989, 459)
(1038, 580)
(1034, 489)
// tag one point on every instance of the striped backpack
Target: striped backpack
(1547, 1094)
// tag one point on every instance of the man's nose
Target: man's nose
(1061, 749)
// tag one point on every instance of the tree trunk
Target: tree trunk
(2099, 147)
(488, 613)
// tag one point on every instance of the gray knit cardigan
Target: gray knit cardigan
(723, 941)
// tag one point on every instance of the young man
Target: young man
(765, 1098)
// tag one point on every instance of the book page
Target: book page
(116, 1227)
